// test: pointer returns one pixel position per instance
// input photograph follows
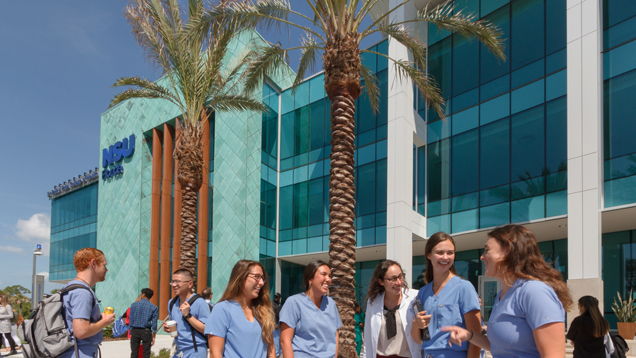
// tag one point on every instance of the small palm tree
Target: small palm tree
(337, 33)
(198, 82)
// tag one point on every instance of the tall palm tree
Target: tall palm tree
(336, 33)
(196, 80)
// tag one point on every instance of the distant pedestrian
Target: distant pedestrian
(310, 320)
(359, 317)
(81, 311)
(587, 331)
(242, 322)
(207, 296)
(143, 318)
(276, 307)
(6, 314)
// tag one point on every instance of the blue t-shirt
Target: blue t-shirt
(200, 310)
(314, 329)
(79, 304)
(243, 338)
(527, 305)
(456, 298)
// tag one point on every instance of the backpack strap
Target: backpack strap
(192, 330)
(71, 288)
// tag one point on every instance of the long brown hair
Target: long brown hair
(261, 305)
(378, 274)
(435, 239)
(523, 260)
(590, 306)
(4, 300)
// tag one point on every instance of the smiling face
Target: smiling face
(493, 254)
(321, 280)
(254, 282)
(442, 256)
(181, 284)
(392, 280)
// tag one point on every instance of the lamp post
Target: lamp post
(36, 253)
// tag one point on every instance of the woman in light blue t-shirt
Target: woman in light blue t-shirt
(241, 325)
(310, 320)
(527, 319)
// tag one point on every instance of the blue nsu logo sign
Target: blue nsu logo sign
(116, 153)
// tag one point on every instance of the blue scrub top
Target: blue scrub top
(314, 329)
(456, 298)
(200, 310)
(527, 305)
(243, 338)
(79, 304)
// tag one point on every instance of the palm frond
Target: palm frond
(140, 93)
(146, 85)
(382, 19)
(236, 103)
(372, 87)
(309, 50)
(415, 47)
(267, 60)
(427, 85)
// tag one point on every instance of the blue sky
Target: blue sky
(58, 60)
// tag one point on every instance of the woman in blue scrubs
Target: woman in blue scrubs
(447, 300)
(241, 325)
(527, 319)
(310, 320)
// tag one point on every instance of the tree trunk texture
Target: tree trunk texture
(342, 83)
(189, 229)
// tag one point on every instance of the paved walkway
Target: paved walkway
(120, 349)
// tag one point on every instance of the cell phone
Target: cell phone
(417, 308)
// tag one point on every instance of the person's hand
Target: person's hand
(457, 335)
(422, 320)
(185, 308)
(484, 328)
(153, 341)
(108, 319)
(165, 327)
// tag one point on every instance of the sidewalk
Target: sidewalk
(121, 349)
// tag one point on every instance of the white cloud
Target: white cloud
(11, 249)
(36, 228)
(45, 274)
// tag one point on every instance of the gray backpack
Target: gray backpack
(45, 330)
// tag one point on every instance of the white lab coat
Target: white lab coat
(373, 322)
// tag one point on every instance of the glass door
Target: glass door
(488, 289)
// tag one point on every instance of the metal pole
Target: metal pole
(33, 303)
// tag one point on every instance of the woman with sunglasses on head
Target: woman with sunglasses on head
(447, 300)
(587, 331)
(389, 314)
(528, 316)
(241, 325)
(310, 320)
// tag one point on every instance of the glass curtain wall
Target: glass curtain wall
(304, 164)
(269, 166)
(73, 227)
(364, 271)
(500, 154)
(619, 108)
(619, 269)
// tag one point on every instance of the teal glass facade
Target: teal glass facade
(619, 108)
(619, 269)
(73, 227)
(304, 164)
(500, 154)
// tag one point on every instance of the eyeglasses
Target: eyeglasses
(177, 282)
(394, 279)
(257, 277)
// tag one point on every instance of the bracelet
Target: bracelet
(471, 335)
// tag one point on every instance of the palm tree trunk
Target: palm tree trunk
(188, 229)
(342, 83)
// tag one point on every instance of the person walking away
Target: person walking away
(390, 315)
(15, 321)
(143, 318)
(6, 314)
(276, 307)
(207, 296)
(447, 300)
(359, 317)
(588, 330)
(242, 322)
(528, 316)
(310, 320)
(190, 317)
(81, 311)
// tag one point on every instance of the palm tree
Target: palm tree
(337, 32)
(196, 80)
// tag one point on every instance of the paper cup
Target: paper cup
(172, 328)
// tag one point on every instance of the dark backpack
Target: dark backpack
(192, 330)
(620, 346)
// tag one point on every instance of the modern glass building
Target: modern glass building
(543, 139)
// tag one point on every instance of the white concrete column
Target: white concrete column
(585, 155)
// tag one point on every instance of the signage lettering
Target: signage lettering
(115, 154)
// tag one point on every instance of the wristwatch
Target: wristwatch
(188, 316)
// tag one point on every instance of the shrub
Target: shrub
(163, 353)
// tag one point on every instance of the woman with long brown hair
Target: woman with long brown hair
(6, 313)
(389, 314)
(528, 316)
(587, 331)
(241, 325)
(447, 300)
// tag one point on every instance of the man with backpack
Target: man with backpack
(143, 324)
(81, 311)
(190, 311)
